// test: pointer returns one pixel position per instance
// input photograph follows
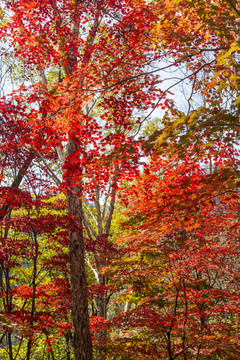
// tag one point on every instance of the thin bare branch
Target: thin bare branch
(49, 170)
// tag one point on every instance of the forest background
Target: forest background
(119, 194)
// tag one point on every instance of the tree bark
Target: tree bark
(80, 316)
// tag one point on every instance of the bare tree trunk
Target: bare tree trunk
(102, 335)
(34, 287)
(102, 220)
(80, 317)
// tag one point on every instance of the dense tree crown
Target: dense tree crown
(119, 182)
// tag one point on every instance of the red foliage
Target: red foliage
(180, 266)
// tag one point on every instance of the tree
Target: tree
(99, 67)
(86, 53)
(180, 269)
(35, 288)
(204, 37)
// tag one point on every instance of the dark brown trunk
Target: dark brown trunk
(10, 352)
(80, 316)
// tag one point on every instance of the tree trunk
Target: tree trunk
(101, 336)
(80, 316)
